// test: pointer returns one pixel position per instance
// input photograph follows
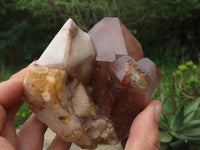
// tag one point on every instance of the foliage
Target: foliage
(180, 121)
(22, 115)
(27, 26)
(187, 81)
(5, 72)
(21, 36)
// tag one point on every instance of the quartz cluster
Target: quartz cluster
(89, 87)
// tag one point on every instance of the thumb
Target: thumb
(144, 133)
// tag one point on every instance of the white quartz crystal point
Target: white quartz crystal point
(71, 50)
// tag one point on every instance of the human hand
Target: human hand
(31, 135)
(144, 132)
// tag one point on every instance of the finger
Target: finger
(2, 117)
(9, 133)
(31, 135)
(8, 130)
(11, 112)
(4, 144)
(59, 144)
(11, 90)
(144, 133)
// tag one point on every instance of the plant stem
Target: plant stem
(190, 97)
(93, 13)
(81, 18)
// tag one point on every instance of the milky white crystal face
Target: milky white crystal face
(71, 50)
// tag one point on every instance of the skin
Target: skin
(144, 133)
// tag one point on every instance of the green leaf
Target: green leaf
(177, 120)
(163, 122)
(191, 124)
(165, 137)
(192, 132)
(185, 137)
(168, 106)
(168, 113)
(167, 103)
(162, 93)
(190, 109)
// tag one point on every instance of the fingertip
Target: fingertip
(157, 110)
(155, 102)
(154, 106)
(145, 128)
(11, 92)
(149, 115)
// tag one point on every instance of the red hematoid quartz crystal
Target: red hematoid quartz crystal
(124, 82)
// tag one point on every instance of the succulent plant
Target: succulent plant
(180, 120)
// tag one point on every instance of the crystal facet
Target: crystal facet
(72, 50)
(112, 39)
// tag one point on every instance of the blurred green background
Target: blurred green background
(169, 31)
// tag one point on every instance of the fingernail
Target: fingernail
(157, 111)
